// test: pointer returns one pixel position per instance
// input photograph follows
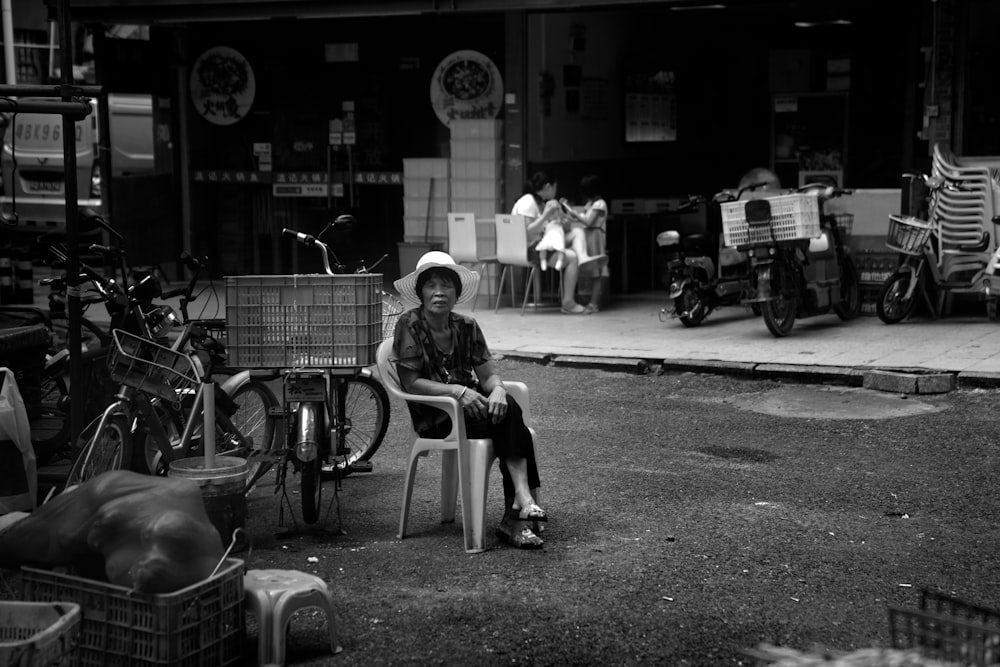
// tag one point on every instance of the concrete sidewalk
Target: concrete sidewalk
(733, 340)
(632, 334)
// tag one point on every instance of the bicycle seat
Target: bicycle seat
(345, 219)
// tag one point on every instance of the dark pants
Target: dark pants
(511, 440)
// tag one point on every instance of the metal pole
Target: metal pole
(10, 66)
(72, 230)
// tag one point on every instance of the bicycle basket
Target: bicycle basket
(152, 368)
(907, 234)
(392, 308)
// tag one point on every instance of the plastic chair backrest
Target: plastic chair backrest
(512, 239)
(462, 237)
(387, 370)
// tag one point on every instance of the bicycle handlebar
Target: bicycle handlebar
(312, 241)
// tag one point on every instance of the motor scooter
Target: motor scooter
(801, 266)
(700, 271)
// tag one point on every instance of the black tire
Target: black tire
(366, 412)
(691, 310)
(50, 429)
(253, 419)
(148, 459)
(311, 489)
(891, 305)
(850, 290)
(779, 312)
(779, 316)
(109, 449)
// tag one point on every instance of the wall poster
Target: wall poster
(650, 107)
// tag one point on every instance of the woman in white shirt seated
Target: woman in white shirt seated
(540, 207)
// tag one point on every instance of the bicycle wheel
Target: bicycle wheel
(110, 448)
(148, 458)
(365, 419)
(308, 427)
(892, 305)
(252, 419)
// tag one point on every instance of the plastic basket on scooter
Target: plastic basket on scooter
(907, 234)
(794, 216)
(145, 365)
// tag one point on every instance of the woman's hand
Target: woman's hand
(473, 403)
(497, 406)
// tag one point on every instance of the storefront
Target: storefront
(285, 121)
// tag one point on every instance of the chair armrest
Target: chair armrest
(447, 404)
(519, 392)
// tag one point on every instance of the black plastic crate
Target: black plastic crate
(948, 628)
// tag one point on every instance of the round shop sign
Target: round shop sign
(222, 85)
(466, 85)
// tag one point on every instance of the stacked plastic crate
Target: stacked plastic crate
(426, 193)
(477, 179)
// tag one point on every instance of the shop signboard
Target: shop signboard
(467, 86)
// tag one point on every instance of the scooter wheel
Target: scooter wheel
(690, 309)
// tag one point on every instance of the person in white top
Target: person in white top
(592, 219)
(543, 211)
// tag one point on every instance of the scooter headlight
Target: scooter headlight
(306, 451)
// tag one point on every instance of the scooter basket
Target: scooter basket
(907, 234)
(793, 217)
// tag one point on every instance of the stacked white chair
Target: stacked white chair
(963, 214)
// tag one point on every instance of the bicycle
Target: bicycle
(245, 399)
(948, 253)
(144, 427)
(337, 411)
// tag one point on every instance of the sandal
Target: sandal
(575, 309)
(530, 512)
(519, 536)
(590, 309)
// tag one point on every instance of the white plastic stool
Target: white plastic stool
(272, 596)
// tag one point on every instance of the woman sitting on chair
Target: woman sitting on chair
(438, 352)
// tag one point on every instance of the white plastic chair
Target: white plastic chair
(463, 245)
(465, 462)
(512, 250)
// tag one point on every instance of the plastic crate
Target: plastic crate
(907, 234)
(794, 216)
(845, 222)
(306, 321)
(202, 625)
(947, 628)
(37, 633)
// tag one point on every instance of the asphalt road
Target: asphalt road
(692, 516)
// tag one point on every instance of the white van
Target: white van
(35, 190)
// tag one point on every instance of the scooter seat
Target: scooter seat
(820, 244)
(731, 256)
(697, 243)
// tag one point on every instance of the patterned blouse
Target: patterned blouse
(414, 348)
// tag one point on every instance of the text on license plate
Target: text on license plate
(48, 187)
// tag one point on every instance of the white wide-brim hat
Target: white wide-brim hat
(407, 285)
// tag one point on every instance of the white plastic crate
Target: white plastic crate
(476, 169)
(476, 188)
(414, 188)
(418, 226)
(417, 207)
(425, 167)
(476, 149)
(481, 207)
(303, 321)
(794, 216)
(476, 129)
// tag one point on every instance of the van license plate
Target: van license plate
(44, 187)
